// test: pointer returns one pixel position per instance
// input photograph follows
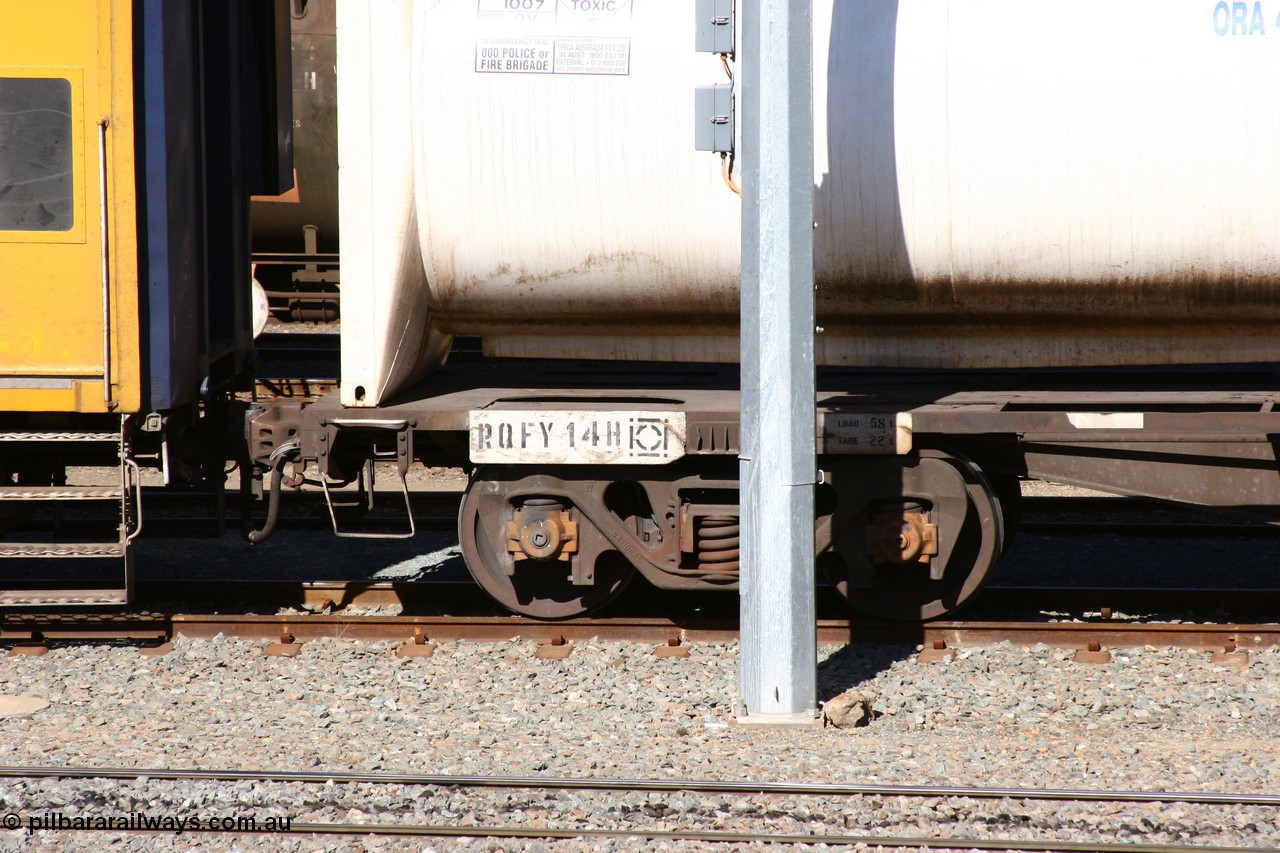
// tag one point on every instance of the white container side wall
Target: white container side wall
(998, 183)
(574, 200)
(388, 338)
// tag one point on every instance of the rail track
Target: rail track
(1095, 621)
(428, 616)
(1064, 617)
(704, 786)
(724, 837)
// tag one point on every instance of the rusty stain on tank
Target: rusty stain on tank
(591, 263)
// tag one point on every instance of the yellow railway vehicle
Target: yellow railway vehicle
(69, 305)
(132, 133)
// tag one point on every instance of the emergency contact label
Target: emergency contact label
(593, 55)
(516, 55)
(547, 437)
(554, 37)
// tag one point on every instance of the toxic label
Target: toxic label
(1239, 18)
(554, 37)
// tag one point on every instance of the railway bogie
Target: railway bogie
(572, 536)
(904, 538)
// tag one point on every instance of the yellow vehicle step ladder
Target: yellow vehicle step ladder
(125, 494)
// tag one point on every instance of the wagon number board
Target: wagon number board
(861, 432)
(547, 437)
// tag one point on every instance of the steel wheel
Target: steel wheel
(890, 517)
(533, 552)
(1008, 491)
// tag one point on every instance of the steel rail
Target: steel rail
(669, 630)
(1065, 635)
(828, 789)
(710, 836)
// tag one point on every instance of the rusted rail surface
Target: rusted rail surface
(1066, 635)
(1069, 618)
(661, 630)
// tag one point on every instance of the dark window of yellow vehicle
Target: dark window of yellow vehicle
(36, 186)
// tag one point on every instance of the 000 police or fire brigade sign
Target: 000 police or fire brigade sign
(554, 37)
(539, 436)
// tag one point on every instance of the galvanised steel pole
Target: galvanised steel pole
(778, 678)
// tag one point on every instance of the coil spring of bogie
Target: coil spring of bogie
(717, 544)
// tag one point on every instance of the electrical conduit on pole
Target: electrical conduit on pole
(778, 676)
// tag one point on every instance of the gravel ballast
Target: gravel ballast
(1152, 719)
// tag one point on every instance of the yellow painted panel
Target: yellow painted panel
(116, 46)
(40, 399)
(52, 298)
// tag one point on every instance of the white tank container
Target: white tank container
(388, 338)
(999, 183)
